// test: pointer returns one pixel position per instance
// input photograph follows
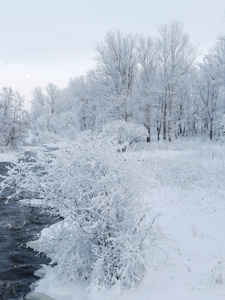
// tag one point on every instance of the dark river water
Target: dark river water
(18, 225)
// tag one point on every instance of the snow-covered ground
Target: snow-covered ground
(187, 188)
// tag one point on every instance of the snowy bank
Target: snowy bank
(9, 155)
(188, 191)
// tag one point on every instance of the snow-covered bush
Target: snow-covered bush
(216, 276)
(124, 134)
(107, 228)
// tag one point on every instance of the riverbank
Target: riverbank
(186, 187)
(8, 155)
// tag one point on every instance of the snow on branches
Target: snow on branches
(106, 228)
(124, 134)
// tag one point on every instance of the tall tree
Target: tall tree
(82, 95)
(146, 84)
(211, 86)
(13, 118)
(114, 75)
(52, 113)
(176, 56)
(52, 98)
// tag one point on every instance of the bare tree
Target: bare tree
(52, 113)
(82, 100)
(53, 98)
(176, 56)
(114, 75)
(211, 85)
(13, 118)
(147, 81)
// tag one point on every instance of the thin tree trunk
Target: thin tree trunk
(211, 129)
(164, 121)
(149, 134)
(170, 121)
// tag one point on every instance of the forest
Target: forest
(161, 83)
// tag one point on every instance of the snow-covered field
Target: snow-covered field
(186, 186)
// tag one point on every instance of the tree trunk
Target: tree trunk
(149, 134)
(211, 129)
(158, 133)
(148, 122)
(164, 121)
(170, 121)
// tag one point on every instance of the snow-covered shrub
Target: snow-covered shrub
(107, 228)
(124, 134)
(216, 276)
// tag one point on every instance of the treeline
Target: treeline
(154, 81)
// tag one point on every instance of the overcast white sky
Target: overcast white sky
(44, 41)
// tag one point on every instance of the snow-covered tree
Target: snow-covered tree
(113, 76)
(13, 118)
(146, 84)
(82, 97)
(211, 84)
(53, 114)
(176, 56)
(208, 93)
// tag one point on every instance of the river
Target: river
(18, 225)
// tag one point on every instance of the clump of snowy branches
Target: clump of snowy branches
(107, 228)
(216, 276)
(125, 134)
